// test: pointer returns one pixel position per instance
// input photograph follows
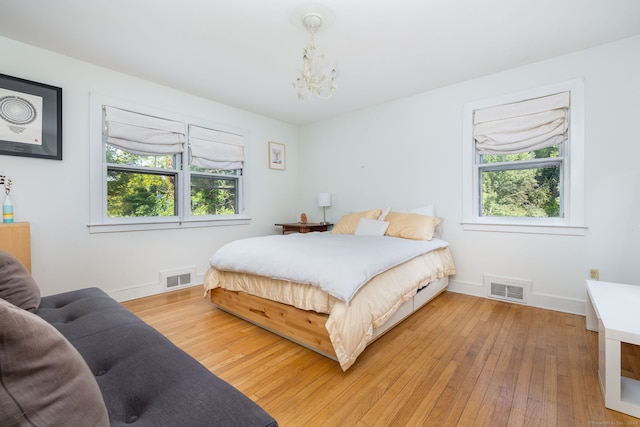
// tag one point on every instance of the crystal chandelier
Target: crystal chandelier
(316, 78)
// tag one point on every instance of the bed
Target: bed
(334, 292)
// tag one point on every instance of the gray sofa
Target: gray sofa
(142, 378)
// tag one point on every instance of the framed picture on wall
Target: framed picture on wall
(30, 119)
(277, 158)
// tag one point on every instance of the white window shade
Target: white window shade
(141, 134)
(522, 126)
(214, 149)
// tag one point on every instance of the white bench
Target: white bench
(613, 310)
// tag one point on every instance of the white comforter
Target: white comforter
(303, 258)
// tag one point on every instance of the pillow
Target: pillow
(384, 213)
(411, 226)
(371, 227)
(16, 284)
(44, 380)
(428, 210)
(348, 223)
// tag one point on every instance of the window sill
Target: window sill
(165, 225)
(566, 230)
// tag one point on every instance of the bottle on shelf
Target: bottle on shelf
(7, 209)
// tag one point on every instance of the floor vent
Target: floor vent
(174, 279)
(506, 289)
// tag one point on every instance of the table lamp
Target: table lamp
(324, 200)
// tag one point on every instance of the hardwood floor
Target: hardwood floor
(459, 361)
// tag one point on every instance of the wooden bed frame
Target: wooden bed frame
(304, 327)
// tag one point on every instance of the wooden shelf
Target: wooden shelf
(15, 238)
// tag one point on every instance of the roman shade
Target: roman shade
(214, 149)
(142, 134)
(522, 126)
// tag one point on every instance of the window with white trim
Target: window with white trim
(215, 168)
(162, 173)
(524, 162)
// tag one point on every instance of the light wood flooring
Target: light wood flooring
(459, 361)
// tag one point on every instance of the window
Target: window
(140, 186)
(524, 162)
(143, 157)
(524, 185)
(164, 173)
(214, 192)
(215, 167)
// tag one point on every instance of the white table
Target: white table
(613, 310)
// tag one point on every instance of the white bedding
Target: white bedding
(354, 260)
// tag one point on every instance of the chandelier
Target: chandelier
(316, 78)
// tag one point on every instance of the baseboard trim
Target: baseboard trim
(141, 291)
(468, 288)
(548, 302)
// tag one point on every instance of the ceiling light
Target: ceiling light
(316, 78)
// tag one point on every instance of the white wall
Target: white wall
(54, 195)
(404, 153)
(408, 153)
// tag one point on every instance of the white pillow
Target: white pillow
(384, 213)
(429, 210)
(371, 227)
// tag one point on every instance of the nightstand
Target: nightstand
(298, 227)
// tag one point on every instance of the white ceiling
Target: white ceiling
(246, 53)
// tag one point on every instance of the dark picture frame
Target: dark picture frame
(30, 118)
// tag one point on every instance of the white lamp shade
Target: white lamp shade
(324, 199)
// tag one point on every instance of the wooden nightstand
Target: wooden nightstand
(298, 227)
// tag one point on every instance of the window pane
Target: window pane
(531, 193)
(543, 153)
(215, 171)
(135, 194)
(213, 195)
(117, 156)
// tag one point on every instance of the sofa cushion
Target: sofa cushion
(43, 378)
(16, 284)
(84, 312)
(144, 378)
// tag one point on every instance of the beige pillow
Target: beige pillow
(348, 223)
(43, 378)
(411, 226)
(16, 284)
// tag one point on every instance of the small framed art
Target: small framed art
(30, 119)
(277, 158)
